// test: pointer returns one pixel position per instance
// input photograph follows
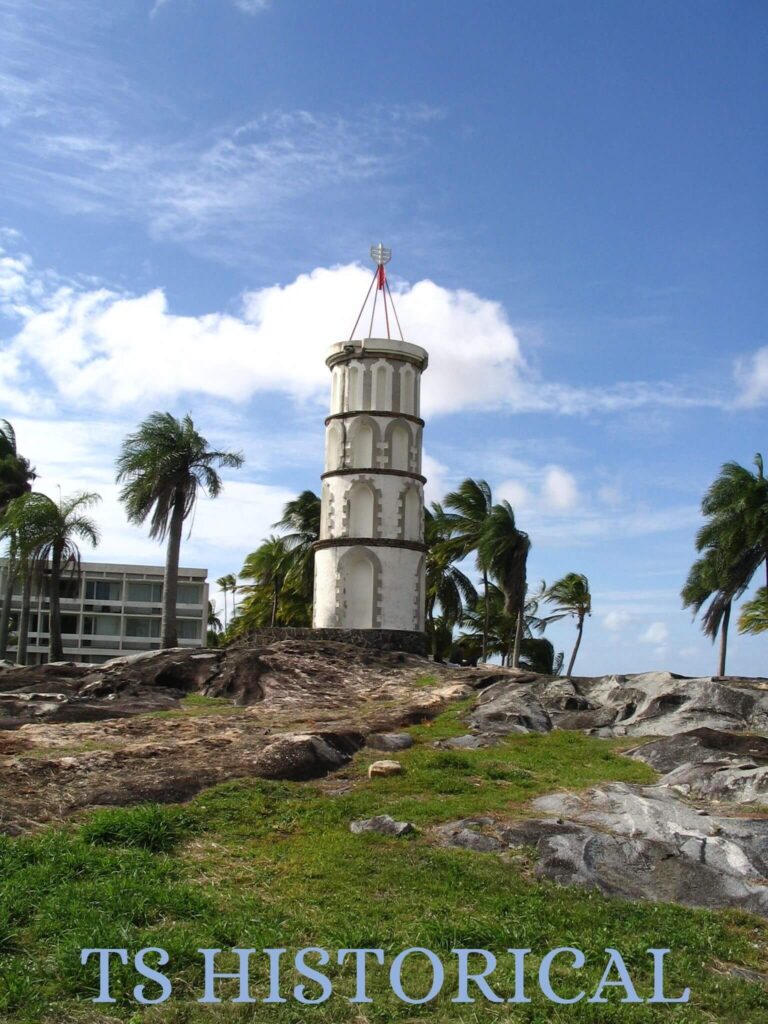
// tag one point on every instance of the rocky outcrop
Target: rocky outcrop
(651, 704)
(80, 736)
(384, 825)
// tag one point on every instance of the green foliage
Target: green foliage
(571, 597)
(164, 463)
(281, 571)
(754, 613)
(277, 866)
(16, 472)
(146, 827)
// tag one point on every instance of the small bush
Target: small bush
(147, 827)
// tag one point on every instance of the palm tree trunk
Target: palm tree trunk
(224, 590)
(11, 572)
(486, 624)
(275, 596)
(518, 638)
(724, 638)
(26, 601)
(168, 629)
(579, 630)
(55, 646)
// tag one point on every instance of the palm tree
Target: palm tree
(16, 477)
(25, 523)
(536, 653)
(754, 613)
(736, 507)
(227, 583)
(571, 596)
(504, 550)
(711, 579)
(16, 472)
(59, 526)
(470, 509)
(447, 587)
(268, 566)
(162, 466)
(301, 517)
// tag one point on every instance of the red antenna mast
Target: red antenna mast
(380, 256)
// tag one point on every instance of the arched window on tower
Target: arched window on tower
(362, 446)
(412, 515)
(354, 388)
(399, 447)
(359, 584)
(382, 388)
(333, 442)
(407, 391)
(336, 390)
(361, 511)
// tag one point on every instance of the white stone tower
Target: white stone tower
(369, 561)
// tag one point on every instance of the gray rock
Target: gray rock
(733, 781)
(642, 869)
(698, 746)
(467, 742)
(734, 846)
(389, 741)
(384, 825)
(466, 835)
(506, 708)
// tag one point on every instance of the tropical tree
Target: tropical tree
(504, 550)
(162, 467)
(736, 509)
(268, 567)
(447, 587)
(711, 580)
(227, 584)
(754, 613)
(16, 472)
(16, 477)
(57, 527)
(215, 626)
(301, 518)
(536, 653)
(468, 511)
(571, 597)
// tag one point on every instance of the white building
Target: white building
(111, 610)
(369, 561)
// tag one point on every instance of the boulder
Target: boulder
(384, 825)
(379, 768)
(389, 741)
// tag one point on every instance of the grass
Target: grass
(263, 864)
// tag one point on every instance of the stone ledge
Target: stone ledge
(410, 641)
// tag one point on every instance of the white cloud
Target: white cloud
(437, 478)
(516, 493)
(752, 378)
(616, 620)
(656, 634)
(96, 346)
(559, 489)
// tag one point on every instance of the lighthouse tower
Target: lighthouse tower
(369, 561)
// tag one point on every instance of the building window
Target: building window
(151, 593)
(69, 624)
(189, 629)
(142, 627)
(101, 625)
(189, 593)
(102, 590)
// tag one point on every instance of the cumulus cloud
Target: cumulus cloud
(656, 634)
(559, 488)
(616, 620)
(113, 350)
(752, 378)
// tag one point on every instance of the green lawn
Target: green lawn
(267, 864)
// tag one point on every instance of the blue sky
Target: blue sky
(575, 196)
